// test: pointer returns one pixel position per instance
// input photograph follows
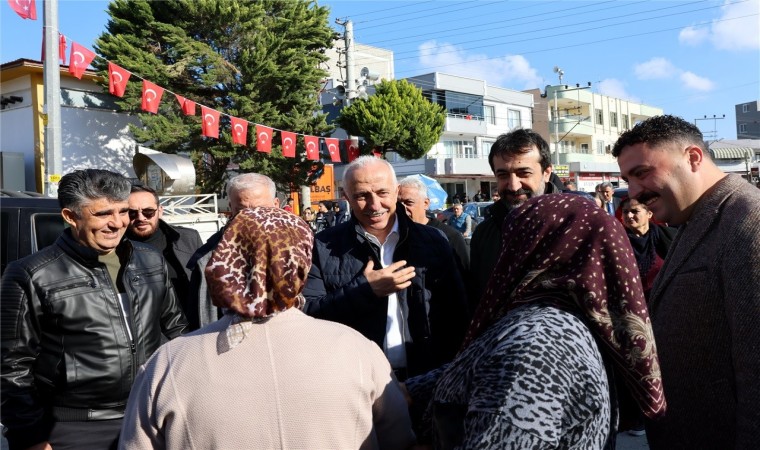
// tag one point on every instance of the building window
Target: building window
(459, 149)
(490, 114)
(624, 121)
(486, 147)
(745, 107)
(567, 147)
(599, 116)
(742, 128)
(513, 119)
(584, 149)
(599, 147)
(613, 119)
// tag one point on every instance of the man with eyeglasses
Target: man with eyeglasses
(79, 319)
(177, 244)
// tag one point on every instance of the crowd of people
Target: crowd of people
(560, 326)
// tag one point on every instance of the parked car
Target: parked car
(476, 210)
(28, 222)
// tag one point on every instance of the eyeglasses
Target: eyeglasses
(148, 213)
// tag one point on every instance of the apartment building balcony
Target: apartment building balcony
(571, 126)
(465, 124)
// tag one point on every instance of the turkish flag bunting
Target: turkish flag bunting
(288, 144)
(188, 107)
(312, 147)
(210, 123)
(27, 9)
(79, 59)
(377, 153)
(263, 139)
(239, 131)
(117, 79)
(333, 146)
(151, 96)
(352, 149)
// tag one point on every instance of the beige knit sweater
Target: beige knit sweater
(294, 383)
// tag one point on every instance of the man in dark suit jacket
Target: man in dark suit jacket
(610, 203)
(705, 302)
(393, 280)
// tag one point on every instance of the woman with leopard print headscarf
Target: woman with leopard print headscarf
(266, 375)
(563, 316)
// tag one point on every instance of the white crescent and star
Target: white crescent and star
(331, 148)
(208, 118)
(288, 142)
(263, 137)
(76, 63)
(115, 75)
(148, 98)
(237, 125)
(309, 146)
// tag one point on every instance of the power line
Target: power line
(406, 5)
(428, 14)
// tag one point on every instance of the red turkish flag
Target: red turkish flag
(210, 123)
(151, 96)
(239, 130)
(288, 144)
(333, 148)
(27, 9)
(352, 149)
(117, 79)
(312, 147)
(188, 107)
(263, 139)
(79, 59)
(377, 153)
(61, 47)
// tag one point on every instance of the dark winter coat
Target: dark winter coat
(337, 290)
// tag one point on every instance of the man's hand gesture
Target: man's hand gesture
(389, 280)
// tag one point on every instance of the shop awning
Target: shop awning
(731, 152)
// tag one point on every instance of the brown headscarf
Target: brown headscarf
(563, 249)
(260, 266)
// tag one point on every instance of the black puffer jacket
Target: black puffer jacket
(69, 352)
(337, 289)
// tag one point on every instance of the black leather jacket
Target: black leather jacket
(69, 351)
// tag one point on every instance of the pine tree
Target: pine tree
(259, 61)
(396, 118)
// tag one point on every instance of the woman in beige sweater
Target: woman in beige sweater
(266, 376)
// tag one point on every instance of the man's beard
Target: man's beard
(507, 196)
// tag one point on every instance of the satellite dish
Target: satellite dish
(556, 69)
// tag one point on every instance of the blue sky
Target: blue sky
(691, 58)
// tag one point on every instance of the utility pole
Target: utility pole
(348, 37)
(53, 165)
(715, 119)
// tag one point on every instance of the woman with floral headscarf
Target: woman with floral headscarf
(563, 316)
(266, 375)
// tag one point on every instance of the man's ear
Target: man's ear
(69, 216)
(547, 174)
(696, 156)
(160, 211)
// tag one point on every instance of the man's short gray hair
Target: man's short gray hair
(251, 181)
(415, 183)
(83, 186)
(365, 161)
(606, 185)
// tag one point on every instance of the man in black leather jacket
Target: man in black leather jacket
(79, 318)
(393, 280)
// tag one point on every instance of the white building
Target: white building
(94, 134)
(582, 127)
(476, 114)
